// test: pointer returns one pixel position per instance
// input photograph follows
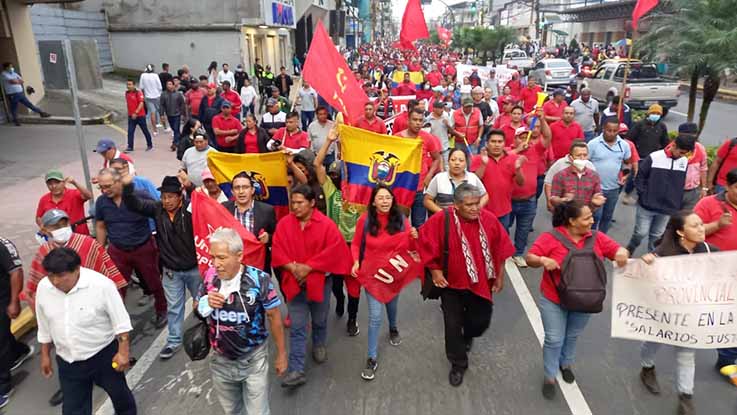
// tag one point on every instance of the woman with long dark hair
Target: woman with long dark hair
(685, 234)
(212, 73)
(253, 138)
(186, 139)
(375, 232)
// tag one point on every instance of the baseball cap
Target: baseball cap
(212, 85)
(53, 216)
(336, 167)
(688, 128)
(655, 109)
(207, 174)
(226, 104)
(467, 102)
(271, 101)
(54, 175)
(508, 100)
(438, 104)
(559, 91)
(623, 128)
(104, 145)
(521, 130)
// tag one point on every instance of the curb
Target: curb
(722, 91)
(63, 120)
(24, 323)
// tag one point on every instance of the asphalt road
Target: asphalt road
(506, 364)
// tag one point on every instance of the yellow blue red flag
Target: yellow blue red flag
(268, 173)
(372, 158)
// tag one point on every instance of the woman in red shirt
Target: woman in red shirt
(376, 230)
(571, 220)
(253, 138)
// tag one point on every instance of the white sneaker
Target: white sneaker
(159, 125)
(628, 200)
(519, 261)
(167, 130)
(155, 133)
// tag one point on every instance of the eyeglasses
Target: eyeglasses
(105, 186)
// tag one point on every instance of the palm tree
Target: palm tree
(698, 38)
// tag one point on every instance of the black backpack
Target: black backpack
(583, 278)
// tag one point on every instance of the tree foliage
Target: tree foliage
(484, 42)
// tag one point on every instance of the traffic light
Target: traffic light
(473, 7)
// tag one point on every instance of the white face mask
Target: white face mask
(62, 235)
(580, 165)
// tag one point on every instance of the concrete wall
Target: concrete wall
(23, 50)
(142, 13)
(53, 23)
(134, 50)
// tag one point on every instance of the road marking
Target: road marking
(678, 113)
(571, 392)
(135, 375)
(118, 129)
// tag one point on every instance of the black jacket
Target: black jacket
(649, 137)
(175, 238)
(208, 111)
(262, 138)
(263, 218)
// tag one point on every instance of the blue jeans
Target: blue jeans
(727, 356)
(523, 213)
(176, 284)
(242, 385)
(141, 122)
(562, 329)
(629, 185)
(540, 186)
(718, 188)
(174, 123)
(647, 223)
(589, 135)
(307, 117)
(685, 364)
(603, 216)
(506, 221)
(300, 310)
(419, 213)
(374, 321)
(20, 98)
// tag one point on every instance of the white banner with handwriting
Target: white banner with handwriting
(684, 300)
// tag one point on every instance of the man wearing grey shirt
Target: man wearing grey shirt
(194, 160)
(13, 86)
(308, 100)
(441, 126)
(318, 133)
(587, 113)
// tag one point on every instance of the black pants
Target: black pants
(78, 378)
(340, 297)
(466, 316)
(10, 350)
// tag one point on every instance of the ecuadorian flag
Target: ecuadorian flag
(372, 158)
(268, 170)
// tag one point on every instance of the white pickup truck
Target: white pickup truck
(517, 59)
(644, 86)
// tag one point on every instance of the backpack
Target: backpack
(583, 277)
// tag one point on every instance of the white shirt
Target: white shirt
(195, 162)
(248, 94)
(150, 84)
(83, 321)
(226, 76)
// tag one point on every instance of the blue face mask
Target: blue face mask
(653, 117)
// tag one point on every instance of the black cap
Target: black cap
(170, 184)
(688, 128)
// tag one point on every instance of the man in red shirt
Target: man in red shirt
(553, 109)
(725, 161)
(499, 171)
(369, 121)
(226, 128)
(193, 97)
(402, 121)
(468, 124)
(510, 129)
(108, 150)
(565, 132)
(68, 200)
(233, 97)
(434, 77)
(136, 115)
(406, 87)
(506, 115)
(289, 137)
(528, 95)
(430, 161)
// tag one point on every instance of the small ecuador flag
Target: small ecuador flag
(268, 173)
(372, 158)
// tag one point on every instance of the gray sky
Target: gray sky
(433, 10)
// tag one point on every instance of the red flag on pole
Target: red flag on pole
(327, 71)
(413, 25)
(641, 9)
(208, 216)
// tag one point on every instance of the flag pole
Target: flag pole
(623, 95)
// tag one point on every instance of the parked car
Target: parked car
(516, 58)
(553, 73)
(644, 86)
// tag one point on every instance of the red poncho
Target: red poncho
(319, 245)
(431, 250)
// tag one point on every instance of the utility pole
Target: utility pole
(536, 5)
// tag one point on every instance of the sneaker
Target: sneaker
(16, 123)
(20, 359)
(57, 398)
(369, 372)
(160, 321)
(567, 374)
(519, 261)
(628, 200)
(455, 377)
(155, 133)
(173, 147)
(729, 372)
(685, 404)
(650, 380)
(167, 130)
(5, 398)
(149, 148)
(45, 114)
(319, 354)
(168, 351)
(143, 300)
(293, 380)
(128, 150)
(548, 390)
(394, 338)
(352, 327)
(469, 344)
